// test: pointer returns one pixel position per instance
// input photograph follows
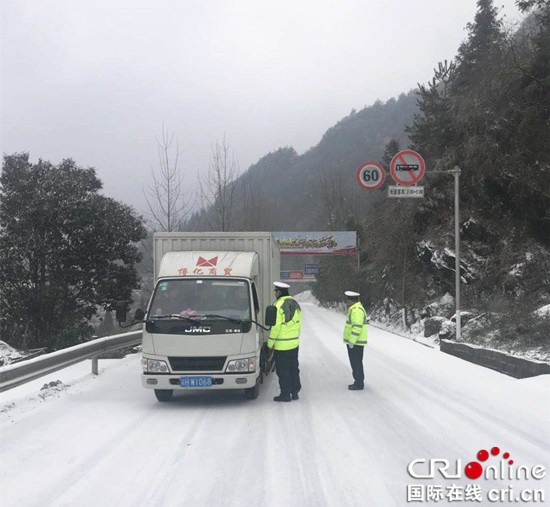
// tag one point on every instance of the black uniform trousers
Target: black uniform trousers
(356, 360)
(288, 371)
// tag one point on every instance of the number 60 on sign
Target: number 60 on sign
(370, 175)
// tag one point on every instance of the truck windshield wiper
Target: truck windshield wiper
(217, 315)
(236, 321)
(258, 324)
(175, 316)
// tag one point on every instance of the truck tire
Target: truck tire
(253, 392)
(266, 359)
(164, 394)
(263, 359)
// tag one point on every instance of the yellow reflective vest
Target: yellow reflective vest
(285, 334)
(355, 331)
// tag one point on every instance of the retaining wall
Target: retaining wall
(500, 361)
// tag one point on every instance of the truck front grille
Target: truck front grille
(197, 363)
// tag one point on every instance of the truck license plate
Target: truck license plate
(195, 381)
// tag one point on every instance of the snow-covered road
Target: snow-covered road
(106, 441)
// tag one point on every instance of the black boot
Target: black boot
(295, 396)
(355, 387)
(283, 397)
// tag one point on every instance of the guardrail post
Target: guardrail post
(95, 366)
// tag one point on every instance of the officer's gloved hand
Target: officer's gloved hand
(350, 345)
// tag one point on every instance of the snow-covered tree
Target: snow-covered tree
(65, 250)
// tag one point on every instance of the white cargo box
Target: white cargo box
(208, 257)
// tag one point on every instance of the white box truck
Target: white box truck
(203, 325)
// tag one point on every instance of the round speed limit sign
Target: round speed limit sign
(370, 175)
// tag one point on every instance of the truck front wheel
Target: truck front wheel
(253, 392)
(164, 394)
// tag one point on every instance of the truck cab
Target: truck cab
(202, 328)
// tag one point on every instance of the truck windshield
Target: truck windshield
(203, 297)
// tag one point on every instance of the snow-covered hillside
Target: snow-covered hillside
(105, 441)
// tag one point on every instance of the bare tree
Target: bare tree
(217, 187)
(254, 216)
(168, 202)
(333, 199)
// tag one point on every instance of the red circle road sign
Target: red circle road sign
(370, 175)
(407, 167)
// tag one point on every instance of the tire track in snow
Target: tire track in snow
(89, 474)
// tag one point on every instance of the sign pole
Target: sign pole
(358, 263)
(407, 168)
(456, 172)
(358, 253)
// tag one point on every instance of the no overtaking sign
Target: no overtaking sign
(407, 167)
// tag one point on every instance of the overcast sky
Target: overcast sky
(95, 80)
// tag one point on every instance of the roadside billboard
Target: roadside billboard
(297, 275)
(317, 243)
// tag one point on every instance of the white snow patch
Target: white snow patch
(415, 333)
(447, 300)
(306, 297)
(517, 269)
(543, 311)
(464, 316)
(59, 381)
(447, 329)
(449, 252)
(8, 354)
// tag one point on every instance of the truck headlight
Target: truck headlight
(154, 366)
(241, 365)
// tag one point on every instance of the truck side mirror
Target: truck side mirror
(140, 315)
(270, 315)
(120, 310)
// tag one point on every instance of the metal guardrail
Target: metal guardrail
(16, 374)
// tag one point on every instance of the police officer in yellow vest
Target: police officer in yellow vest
(284, 338)
(355, 337)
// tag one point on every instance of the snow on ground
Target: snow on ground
(415, 333)
(104, 441)
(306, 297)
(34, 391)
